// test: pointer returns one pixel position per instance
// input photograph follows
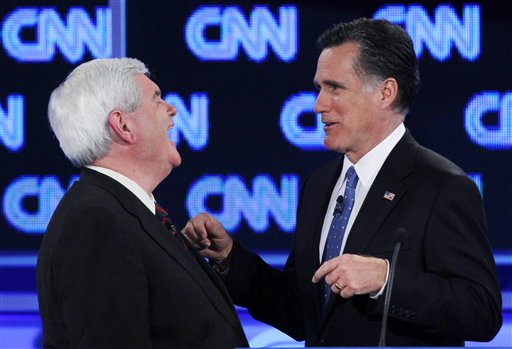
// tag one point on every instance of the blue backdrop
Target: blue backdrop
(240, 76)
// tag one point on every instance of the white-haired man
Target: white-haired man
(109, 273)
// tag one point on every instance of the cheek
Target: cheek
(339, 107)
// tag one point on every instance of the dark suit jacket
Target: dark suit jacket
(110, 275)
(445, 288)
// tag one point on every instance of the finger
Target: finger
(214, 228)
(205, 243)
(337, 287)
(195, 232)
(324, 269)
(188, 231)
(199, 226)
(198, 245)
(196, 242)
(346, 292)
(331, 277)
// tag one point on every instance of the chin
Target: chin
(329, 145)
(175, 160)
(334, 147)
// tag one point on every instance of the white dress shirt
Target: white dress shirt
(367, 169)
(147, 199)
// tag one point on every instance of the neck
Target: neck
(134, 172)
(387, 129)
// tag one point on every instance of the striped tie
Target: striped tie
(162, 214)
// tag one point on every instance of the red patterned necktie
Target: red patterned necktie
(162, 214)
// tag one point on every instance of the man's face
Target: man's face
(152, 121)
(349, 112)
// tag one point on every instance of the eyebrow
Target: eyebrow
(157, 94)
(333, 83)
(329, 83)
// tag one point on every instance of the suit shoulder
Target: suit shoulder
(82, 206)
(433, 170)
(430, 162)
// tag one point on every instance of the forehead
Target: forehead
(336, 60)
(146, 85)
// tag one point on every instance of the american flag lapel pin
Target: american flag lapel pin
(389, 195)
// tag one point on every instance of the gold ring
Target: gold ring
(338, 287)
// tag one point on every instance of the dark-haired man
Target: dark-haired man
(330, 291)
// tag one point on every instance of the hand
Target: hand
(207, 235)
(353, 274)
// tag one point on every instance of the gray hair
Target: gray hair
(78, 109)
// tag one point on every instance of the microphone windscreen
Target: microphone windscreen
(401, 236)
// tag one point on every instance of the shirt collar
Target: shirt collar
(147, 199)
(369, 165)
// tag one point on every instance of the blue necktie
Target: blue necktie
(339, 224)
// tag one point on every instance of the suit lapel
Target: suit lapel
(376, 207)
(189, 260)
(318, 201)
(194, 264)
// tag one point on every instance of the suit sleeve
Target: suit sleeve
(100, 278)
(269, 295)
(454, 291)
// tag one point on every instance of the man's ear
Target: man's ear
(118, 122)
(389, 92)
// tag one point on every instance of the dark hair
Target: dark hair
(386, 50)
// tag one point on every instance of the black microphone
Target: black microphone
(401, 239)
(339, 206)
